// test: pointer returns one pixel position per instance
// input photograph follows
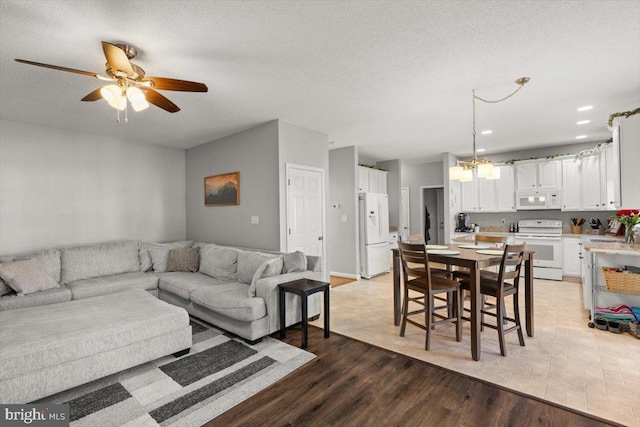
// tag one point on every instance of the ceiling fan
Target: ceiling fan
(129, 81)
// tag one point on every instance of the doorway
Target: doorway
(432, 208)
(305, 210)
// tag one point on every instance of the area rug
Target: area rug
(219, 372)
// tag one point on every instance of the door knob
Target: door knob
(321, 238)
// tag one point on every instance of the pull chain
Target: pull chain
(126, 112)
(118, 116)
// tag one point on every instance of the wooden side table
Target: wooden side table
(303, 288)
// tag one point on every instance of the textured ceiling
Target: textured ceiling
(393, 78)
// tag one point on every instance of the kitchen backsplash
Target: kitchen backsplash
(492, 222)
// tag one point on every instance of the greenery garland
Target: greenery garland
(582, 153)
(625, 114)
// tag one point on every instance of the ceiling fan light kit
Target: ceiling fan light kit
(128, 82)
(463, 170)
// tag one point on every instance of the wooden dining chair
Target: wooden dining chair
(428, 286)
(480, 238)
(496, 285)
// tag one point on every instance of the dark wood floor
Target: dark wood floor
(352, 383)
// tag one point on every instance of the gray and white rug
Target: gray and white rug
(217, 374)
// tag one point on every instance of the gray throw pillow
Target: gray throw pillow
(49, 261)
(248, 263)
(183, 259)
(294, 261)
(219, 262)
(4, 289)
(146, 263)
(269, 268)
(26, 277)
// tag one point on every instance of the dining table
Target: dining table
(474, 261)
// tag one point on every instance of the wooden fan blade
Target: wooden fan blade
(93, 96)
(164, 83)
(55, 67)
(116, 58)
(158, 100)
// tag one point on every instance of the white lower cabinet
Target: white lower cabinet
(571, 254)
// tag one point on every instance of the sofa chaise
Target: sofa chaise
(126, 282)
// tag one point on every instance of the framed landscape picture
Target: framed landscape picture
(222, 190)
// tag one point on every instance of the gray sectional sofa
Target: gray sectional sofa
(112, 289)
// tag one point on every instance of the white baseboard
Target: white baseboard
(348, 276)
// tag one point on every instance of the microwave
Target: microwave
(537, 199)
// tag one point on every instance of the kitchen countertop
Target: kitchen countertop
(611, 246)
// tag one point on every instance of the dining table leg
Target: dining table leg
(528, 294)
(396, 288)
(476, 306)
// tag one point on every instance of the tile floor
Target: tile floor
(566, 362)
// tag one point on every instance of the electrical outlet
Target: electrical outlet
(343, 218)
(255, 219)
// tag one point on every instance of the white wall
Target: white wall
(254, 153)
(414, 177)
(60, 188)
(300, 146)
(343, 236)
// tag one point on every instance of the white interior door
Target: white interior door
(305, 207)
(404, 212)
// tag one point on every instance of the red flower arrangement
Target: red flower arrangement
(629, 218)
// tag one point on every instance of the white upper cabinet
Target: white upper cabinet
(371, 180)
(610, 173)
(486, 194)
(527, 176)
(570, 185)
(590, 183)
(539, 175)
(550, 174)
(363, 180)
(505, 190)
(628, 136)
(468, 195)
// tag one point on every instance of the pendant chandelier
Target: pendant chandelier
(463, 171)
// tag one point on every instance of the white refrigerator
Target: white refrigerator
(374, 234)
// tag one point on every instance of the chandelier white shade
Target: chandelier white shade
(114, 97)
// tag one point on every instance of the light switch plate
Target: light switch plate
(255, 219)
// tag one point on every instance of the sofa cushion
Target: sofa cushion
(219, 262)
(41, 337)
(104, 259)
(96, 286)
(248, 264)
(184, 259)
(49, 296)
(294, 262)
(182, 284)
(230, 300)
(49, 261)
(26, 277)
(146, 263)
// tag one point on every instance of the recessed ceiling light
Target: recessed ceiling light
(586, 108)
(583, 122)
(581, 136)
(480, 150)
(486, 132)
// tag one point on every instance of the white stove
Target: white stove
(544, 237)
